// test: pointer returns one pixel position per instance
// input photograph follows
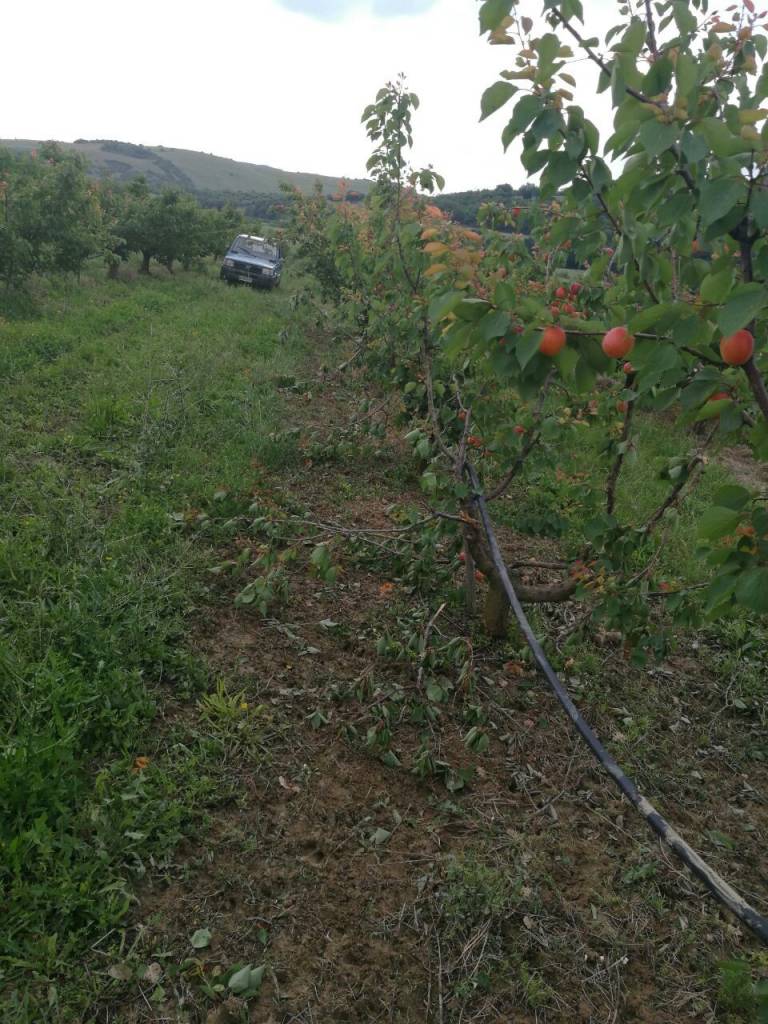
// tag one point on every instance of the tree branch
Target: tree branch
(693, 468)
(651, 30)
(426, 365)
(529, 445)
(613, 476)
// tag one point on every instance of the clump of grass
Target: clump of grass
(124, 403)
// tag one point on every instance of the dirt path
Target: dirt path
(465, 886)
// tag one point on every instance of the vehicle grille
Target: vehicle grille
(247, 267)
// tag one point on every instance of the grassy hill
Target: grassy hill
(185, 168)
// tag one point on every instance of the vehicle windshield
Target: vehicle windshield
(254, 247)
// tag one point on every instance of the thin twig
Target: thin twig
(613, 476)
(424, 644)
(693, 468)
(651, 30)
(529, 445)
(426, 364)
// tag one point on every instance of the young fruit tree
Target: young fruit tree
(668, 215)
(638, 289)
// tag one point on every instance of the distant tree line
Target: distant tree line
(54, 217)
(465, 206)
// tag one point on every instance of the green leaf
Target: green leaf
(435, 692)
(527, 347)
(655, 136)
(733, 497)
(715, 287)
(659, 77)
(320, 556)
(759, 208)
(526, 108)
(752, 590)
(694, 147)
(686, 73)
(429, 482)
(742, 307)
(566, 361)
(718, 522)
(548, 123)
(718, 198)
(652, 314)
(247, 980)
(721, 140)
(674, 209)
(684, 17)
(560, 169)
(547, 48)
(444, 304)
(492, 13)
(720, 590)
(633, 39)
(472, 309)
(698, 391)
(201, 938)
(494, 325)
(494, 97)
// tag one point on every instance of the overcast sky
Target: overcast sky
(278, 82)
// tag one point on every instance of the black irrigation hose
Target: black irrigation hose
(717, 885)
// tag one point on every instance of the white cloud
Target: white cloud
(325, 9)
(333, 9)
(257, 82)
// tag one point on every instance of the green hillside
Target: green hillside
(196, 172)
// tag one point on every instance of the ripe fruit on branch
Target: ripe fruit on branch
(628, 368)
(560, 293)
(575, 288)
(622, 406)
(474, 441)
(737, 348)
(516, 211)
(518, 429)
(618, 342)
(719, 396)
(552, 341)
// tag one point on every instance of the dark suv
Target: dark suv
(254, 261)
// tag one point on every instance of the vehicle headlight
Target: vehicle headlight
(229, 263)
(269, 271)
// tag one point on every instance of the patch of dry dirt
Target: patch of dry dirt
(534, 894)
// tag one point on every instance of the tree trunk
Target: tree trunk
(145, 258)
(496, 609)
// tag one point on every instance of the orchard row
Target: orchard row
(53, 217)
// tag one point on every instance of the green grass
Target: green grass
(133, 409)
(553, 507)
(126, 407)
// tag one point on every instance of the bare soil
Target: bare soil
(372, 895)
